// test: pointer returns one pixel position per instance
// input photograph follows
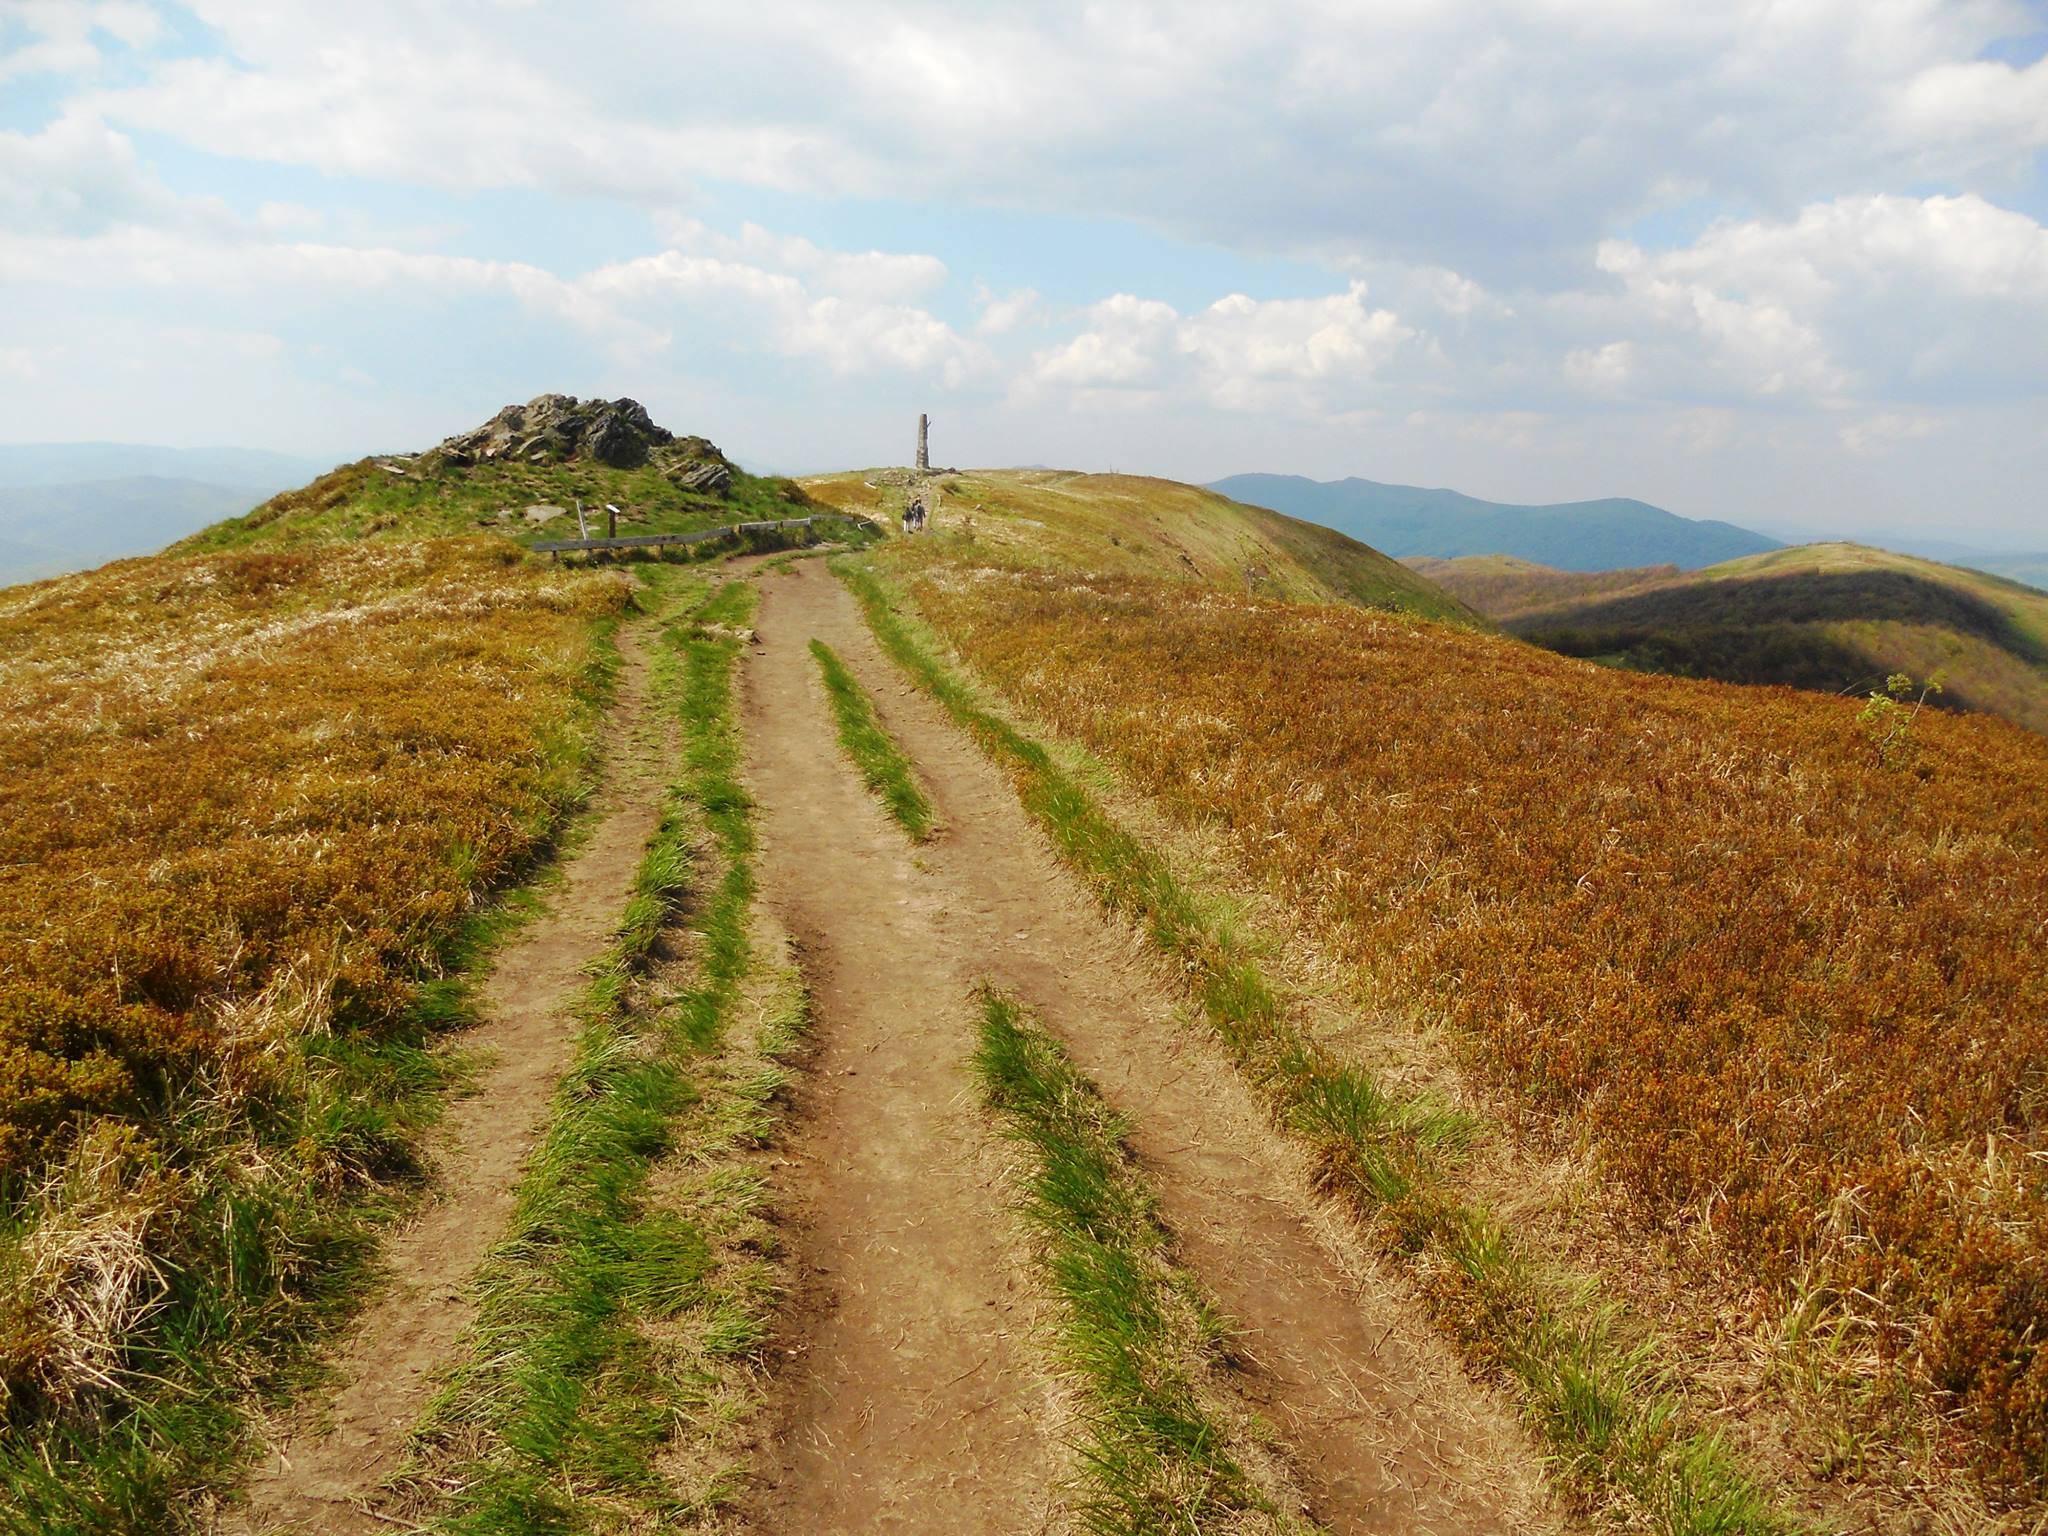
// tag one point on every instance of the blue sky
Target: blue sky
(1781, 264)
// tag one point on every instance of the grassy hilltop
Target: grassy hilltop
(1838, 618)
(1139, 526)
(1677, 1046)
(403, 498)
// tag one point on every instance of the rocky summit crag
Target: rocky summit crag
(553, 429)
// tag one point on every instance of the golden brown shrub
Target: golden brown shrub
(217, 772)
(1793, 994)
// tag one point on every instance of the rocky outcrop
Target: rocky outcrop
(553, 429)
(695, 464)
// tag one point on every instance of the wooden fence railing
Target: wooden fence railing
(662, 540)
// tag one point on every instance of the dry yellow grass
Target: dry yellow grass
(245, 802)
(1794, 996)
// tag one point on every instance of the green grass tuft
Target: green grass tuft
(1133, 1329)
(881, 762)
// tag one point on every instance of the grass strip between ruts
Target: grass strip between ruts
(882, 765)
(1615, 1429)
(572, 1382)
(1134, 1331)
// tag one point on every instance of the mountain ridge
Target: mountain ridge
(51, 528)
(1837, 617)
(1406, 520)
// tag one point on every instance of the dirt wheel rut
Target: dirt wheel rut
(909, 1400)
(323, 1472)
(1374, 1417)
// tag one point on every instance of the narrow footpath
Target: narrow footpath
(324, 1471)
(911, 1396)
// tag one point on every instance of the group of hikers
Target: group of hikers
(914, 515)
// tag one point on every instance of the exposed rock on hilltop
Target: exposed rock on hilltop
(551, 429)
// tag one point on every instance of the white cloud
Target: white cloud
(1301, 340)
(1002, 313)
(1604, 370)
(1486, 136)
(77, 175)
(1874, 434)
(1868, 296)
(1989, 108)
(1756, 346)
(1123, 346)
(62, 32)
(879, 276)
(1239, 353)
(836, 322)
(1963, 246)
(795, 299)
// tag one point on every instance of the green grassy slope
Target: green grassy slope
(367, 499)
(1839, 617)
(1504, 587)
(1137, 526)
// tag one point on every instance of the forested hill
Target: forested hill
(1406, 520)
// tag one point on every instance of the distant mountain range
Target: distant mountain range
(67, 506)
(1408, 520)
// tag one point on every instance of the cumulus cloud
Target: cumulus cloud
(76, 197)
(1125, 344)
(845, 319)
(1001, 313)
(1604, 370)
(1239, 353)
(1300, 340)
(1567, 215)
(1875, 296)
(880, 276)
(1983, 107)
(63, 36)
(1484, 135)
(76, 176)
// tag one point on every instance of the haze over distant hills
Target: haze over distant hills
(1407, 520)
(67, 506)
(2021, 561)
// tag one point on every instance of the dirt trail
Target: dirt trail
(324, 1474)
(1379, 1425)
(908, 1400)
